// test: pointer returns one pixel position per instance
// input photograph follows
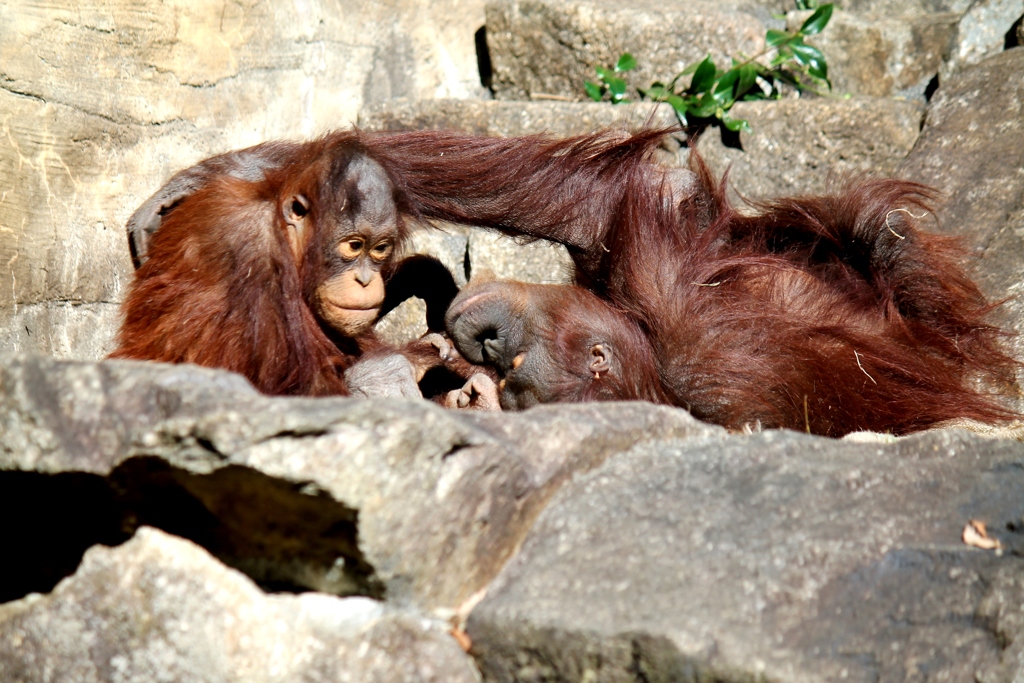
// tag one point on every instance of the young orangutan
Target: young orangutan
(272, 262)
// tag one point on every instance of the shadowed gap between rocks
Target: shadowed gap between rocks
(483, 58)
(1012, 38)
(285, 536)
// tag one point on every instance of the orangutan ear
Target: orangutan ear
(600, 358)
(296, 217)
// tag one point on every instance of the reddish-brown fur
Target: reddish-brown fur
(220, 286)
(832, 314)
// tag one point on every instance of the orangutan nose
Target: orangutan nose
(479, 323)
(364, 275)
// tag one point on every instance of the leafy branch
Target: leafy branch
(786, 62)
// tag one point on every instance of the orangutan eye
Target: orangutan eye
(350, 248)
(381, 251)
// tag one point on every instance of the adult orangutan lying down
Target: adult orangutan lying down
(828, 314)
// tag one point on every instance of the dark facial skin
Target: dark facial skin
(548, 343)
(359, 227)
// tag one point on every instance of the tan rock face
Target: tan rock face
(883, 56)
(796, 144)
(100, 104)
(543, 47)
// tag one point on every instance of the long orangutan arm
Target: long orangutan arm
(566, 190)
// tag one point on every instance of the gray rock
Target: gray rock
(510, 119)
(777, 556)
(981, 32)
(405, 323)
(970, 147)
(971, 150)
(348, 496)
(885, 55)
(796, 144)
(542, 48)
(159, 608)
(902, 8)
(493, 255)
(446, 242)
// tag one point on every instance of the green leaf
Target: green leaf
(727, 80)
(593, 90)
(604, 73)
(748, 76)
(704, 108)
(689, 70)
(656, 92)
(627, 62)
(784, 56)
(812, 58)
(774, 37)
(819, 70)
(704, 76)
(617, 87)
(817, 21)
(805, 54)
(678, 103)
(736, 125)
(724, 98)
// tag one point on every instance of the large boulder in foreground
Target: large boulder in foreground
(614, 541)
(159, 608)
(384, 498)
(776, 557)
